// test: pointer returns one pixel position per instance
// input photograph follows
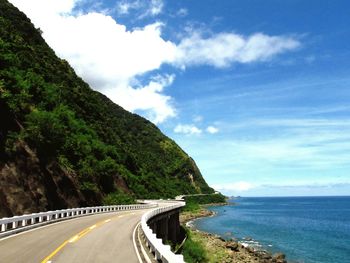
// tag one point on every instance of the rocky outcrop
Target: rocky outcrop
(27, 185)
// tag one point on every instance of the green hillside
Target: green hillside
(63, 144)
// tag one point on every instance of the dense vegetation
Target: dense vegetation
(47, 106)
(193, 251)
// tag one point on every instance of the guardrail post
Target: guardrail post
(3, 227)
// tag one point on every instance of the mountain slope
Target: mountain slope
(63, 144)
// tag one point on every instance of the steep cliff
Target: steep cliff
(64, 145)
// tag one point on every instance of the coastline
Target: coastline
(221, 250)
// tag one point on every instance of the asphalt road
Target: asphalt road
(97, 238)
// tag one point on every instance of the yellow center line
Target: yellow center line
(54, 252)
(78, 236)
(70, 240)
(73, 239)
(82, 234)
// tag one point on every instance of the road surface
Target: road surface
(97, 238)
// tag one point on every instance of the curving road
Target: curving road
(96, 238)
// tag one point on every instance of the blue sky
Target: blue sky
(257, 92)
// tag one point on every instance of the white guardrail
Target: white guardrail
(12, 225)
(162, 252)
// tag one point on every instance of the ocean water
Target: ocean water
(306, 229)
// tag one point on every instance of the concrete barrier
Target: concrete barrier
(161, 252)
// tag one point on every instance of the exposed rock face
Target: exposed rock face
(27, 186)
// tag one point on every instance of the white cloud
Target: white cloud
(239, 186)
(124, 7)
(37, 10)
(192, 129)
(182, 12)
(187, 129)
(148, 8)
(198, 118)
(212, 129)
(156, 7)
(301, 188)
(106, 55)
(221, 50)
(149, 98)
(291, 144)
(111, 58)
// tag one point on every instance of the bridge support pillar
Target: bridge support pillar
(174, 227)
(154, 227)
(163, 228)
(167, 227)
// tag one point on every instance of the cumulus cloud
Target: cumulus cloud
(191, 129)
(187, 129)
(149, 99)
(112, 59)
(212, 129)
(221, 50)
(107, 55)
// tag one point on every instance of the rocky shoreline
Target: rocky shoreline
(226, 251)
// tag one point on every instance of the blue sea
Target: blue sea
(305, 229)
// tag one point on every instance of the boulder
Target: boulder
(232, 245)
(263, 255)
(279, 258)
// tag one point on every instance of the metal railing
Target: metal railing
(15, 224)
(161, 252)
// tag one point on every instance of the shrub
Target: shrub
(193, 251)
(118, 198)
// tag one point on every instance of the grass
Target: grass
(214, 251)
(194, 251)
